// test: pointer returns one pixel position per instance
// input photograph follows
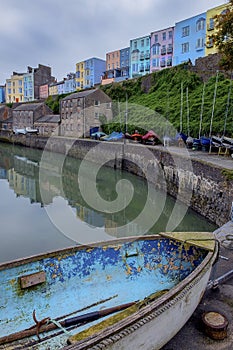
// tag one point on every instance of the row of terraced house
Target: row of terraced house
(187, 40)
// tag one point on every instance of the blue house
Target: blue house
(139, 56)
(93, 70)
(70, 83)
(2, 94)
(189, 39)
(125, 62)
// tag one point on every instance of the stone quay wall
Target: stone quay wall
(206, 188)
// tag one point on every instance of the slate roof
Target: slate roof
(80, 94)
(49, 118)
(29, 106)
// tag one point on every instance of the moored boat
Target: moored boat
(122, 294)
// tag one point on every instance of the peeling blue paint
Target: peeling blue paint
(83, 276)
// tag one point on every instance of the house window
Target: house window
(147, 41)
(135, 45)
(164, 35)
(211, 24)
(142, 42)
(155, 62)
(200, 25)
(97, 103)
(155, 49)
(185, 31)
(96, 115)
(163, 50)
(185, 47)
(135, 67)
(156, 38)
(210, 43)
(200, 43)
(170, 34)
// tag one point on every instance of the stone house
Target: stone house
(27, 114)
(83, 111)
(48, 124)
(5, 118)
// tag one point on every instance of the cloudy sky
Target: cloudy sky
(60, 33)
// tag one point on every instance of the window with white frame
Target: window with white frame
(185, 47)
(155, 49)
(185, 31)
(200, 43)
(200, 25)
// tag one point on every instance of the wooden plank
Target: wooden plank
(32, 279)
(204, 240)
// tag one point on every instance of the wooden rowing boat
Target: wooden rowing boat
(129, 293)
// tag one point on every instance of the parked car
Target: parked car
(32, 130)
(19, 131)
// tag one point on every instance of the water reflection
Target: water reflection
(40, 215)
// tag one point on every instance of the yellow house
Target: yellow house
(53, 90)
(14, 88)
(211, 27)
(80, 75)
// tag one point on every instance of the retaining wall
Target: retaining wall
(203, 186)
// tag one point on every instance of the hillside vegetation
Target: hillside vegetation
(156, 100)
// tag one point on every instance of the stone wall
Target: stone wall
(201, 186)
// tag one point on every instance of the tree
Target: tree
(223, 38)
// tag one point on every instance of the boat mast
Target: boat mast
(187, 106)
(202, 108)
(181, 107)
(215, 93)
(227, 108)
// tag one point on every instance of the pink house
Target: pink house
(161, 49)
(44, 91)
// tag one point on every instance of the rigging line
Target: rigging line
(181, 107)
(202, 108)
(215, 93)
(119, 113)
(227, 108)
(187, 105)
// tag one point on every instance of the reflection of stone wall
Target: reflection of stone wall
(211, 191)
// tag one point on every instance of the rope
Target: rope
(59, 326)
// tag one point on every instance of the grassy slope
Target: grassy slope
(164, 98)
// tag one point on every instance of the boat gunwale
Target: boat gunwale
(153, 307)
(74, 249)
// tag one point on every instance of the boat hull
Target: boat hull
(158, 326)
(98, 277)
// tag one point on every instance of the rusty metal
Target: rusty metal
(45, 325)
(215, 325)
(39, 324)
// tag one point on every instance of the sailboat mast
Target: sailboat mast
(202, 108)
(215, 93)
(181, 108)
(187, 105)
(227, 108)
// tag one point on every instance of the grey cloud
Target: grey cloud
(62, 33)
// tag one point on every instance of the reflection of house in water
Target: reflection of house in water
(22, 185)
(3, 173)
(90, 216)
(130, 228)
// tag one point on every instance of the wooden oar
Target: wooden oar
(46, 324)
